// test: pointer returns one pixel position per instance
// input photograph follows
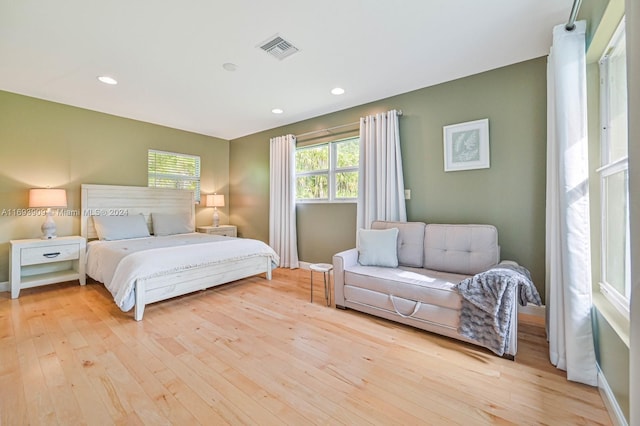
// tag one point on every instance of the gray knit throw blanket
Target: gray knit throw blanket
(487, 302)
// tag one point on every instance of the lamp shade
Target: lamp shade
(47, 197)
(214, 200)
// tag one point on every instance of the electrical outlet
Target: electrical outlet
(407, 194)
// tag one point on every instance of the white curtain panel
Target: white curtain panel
(568, 258)
(282, 200)
(380, 182)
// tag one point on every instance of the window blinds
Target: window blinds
(174, 170)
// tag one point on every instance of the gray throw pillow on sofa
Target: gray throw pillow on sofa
(378, 247)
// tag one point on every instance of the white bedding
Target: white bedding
(118, 264)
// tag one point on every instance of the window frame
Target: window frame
(608, 169)
(177, 178)
(330, 172)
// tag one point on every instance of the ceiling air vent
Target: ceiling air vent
(278, 47)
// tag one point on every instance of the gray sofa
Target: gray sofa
(421, 290)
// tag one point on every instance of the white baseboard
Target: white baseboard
(617, 417)
(304, 265)
(4, 286)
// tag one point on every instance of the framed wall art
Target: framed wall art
(466, 146)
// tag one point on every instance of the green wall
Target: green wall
(612, 355)
(509, 195)
(49, 144)
(318, 244)
(592, 11)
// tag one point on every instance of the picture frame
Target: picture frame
(466, 146)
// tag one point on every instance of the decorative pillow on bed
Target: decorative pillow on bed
(378, 247)
(170, 224)
(111, 228)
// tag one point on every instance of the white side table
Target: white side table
(37, 262)
(325, 268)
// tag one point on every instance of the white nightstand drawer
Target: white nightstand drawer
(223, 230)
(52, 253)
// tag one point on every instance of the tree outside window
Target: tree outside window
(328, 172)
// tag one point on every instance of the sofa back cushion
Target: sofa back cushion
(410, 241)
(461, 249)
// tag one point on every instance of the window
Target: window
(174, 170)
(328, 172)
(615, 280)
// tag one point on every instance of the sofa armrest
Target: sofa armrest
(340, 262)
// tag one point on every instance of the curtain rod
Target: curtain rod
(574, 14)
(329, 129)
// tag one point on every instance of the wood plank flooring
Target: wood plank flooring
(257, 352)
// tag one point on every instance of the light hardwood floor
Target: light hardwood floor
(257, 352)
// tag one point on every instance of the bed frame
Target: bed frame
(130, 200)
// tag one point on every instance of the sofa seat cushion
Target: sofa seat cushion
(436, 288)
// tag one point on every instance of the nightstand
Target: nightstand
(37, 262)
(224, 230)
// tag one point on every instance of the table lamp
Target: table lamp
(215, 201)
(48, 198)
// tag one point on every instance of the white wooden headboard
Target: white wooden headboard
(113, 200)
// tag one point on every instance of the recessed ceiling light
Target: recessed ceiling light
(277, 111)
(228, 66)
(337, 91)
(107, 80)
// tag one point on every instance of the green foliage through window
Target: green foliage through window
(347, 185)
(328, 172)
(312, 158)
(348, 152)
(312, 187)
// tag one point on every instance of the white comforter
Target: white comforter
(118, 264)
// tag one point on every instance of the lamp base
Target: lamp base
(48, 227)
(216, 217)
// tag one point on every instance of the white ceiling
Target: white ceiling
(167, 55)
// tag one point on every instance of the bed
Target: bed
(138, 268)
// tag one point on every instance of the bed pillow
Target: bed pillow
(111, 228)
(378, 247)
(171, 223)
